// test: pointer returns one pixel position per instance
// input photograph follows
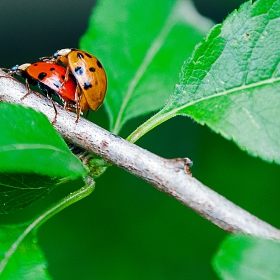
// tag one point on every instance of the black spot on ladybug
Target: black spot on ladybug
(80, 55)
(87, 85)
(88, 55)
(63, 77)
(79, 70)
(57, 84)
(52, 69)
(42, 75)
(35, 64)
(91, 69)
(99, 64)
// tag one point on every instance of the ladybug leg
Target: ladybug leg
(55, 112)
(49, 96)
(28, 89)
(87, 114)
(8, 70)
(70, 105)
(48, 58)
(67, 106)
(8, 76)
(78, 99)
(66, 76)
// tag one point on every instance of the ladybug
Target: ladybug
(50, 78)
(89, 74)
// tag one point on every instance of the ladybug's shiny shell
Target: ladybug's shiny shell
(50, 78)
(89, 74)
(53, 76)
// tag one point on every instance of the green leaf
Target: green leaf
(20, 256)
(232, 81)
(27, 262)
(142, 45)
(246, 257)
(29, 144)
(20, 190)
(34, 158)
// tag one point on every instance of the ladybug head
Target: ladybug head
(19, 68)
(14, 69)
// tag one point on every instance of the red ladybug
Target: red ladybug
(89, 74)
(50, 78)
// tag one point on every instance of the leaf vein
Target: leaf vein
(225, 92)
(17, 147)
(150, 54)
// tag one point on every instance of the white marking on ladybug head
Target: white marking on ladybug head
(62, 52)
(24, 66)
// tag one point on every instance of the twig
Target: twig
(166, 175)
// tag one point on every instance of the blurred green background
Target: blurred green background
(127, 229)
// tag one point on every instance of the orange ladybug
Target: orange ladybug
(89, 74)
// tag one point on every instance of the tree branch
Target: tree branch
(167, 175)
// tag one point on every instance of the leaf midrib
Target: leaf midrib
(17, 147)
(223, 93)
(150, 54)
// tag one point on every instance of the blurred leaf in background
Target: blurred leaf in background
(248, 258)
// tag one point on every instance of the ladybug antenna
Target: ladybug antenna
(5, 69)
